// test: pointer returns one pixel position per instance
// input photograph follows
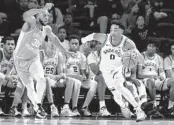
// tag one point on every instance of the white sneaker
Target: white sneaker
(67, 112)
(76, 112)
(126, 112)
(85, 112)
(25, 113)
(140, 115)
(104, 112)
(14, 112)
(1, 112)
(54, 111)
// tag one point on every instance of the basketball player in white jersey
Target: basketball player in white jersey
(76, 67)
(6, 64)
(153, 74)
(26, 54)
(169, 70)
(111, 67)
(53, 64)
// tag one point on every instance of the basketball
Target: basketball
(129, 59)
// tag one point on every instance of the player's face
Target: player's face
(151, 48)
(62, 34)
(140, 21)
(172, 49)
(9, 46)
(74, 44)
(44, 17)
(115, 30)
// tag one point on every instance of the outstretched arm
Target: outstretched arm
(29, 17)
(55, 40)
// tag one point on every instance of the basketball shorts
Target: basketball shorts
(113, 77)
(32, 67)
(160, 85)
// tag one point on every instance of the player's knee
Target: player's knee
(93, 86)
(99, 79)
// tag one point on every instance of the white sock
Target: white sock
(171, 104)
(102, 104)
(65, 106)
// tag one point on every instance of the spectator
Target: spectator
(129, 17)
(91, 6)
(140, 33)
(62, 34)
(102, 14)
(157, 4)
(4, 24)
(56, 19)
(68, 20)
(15, 15)
(33, 4)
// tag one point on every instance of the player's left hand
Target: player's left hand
(48, 6)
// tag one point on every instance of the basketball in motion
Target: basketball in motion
(129, 59)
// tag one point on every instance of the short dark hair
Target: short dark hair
(117, 22)
(68, 13)
(74, 37)
(61, 27)
(151, 41)
(4, 40)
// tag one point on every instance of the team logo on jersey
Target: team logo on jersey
(111, 50)
(151, 64)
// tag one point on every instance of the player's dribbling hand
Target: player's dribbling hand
(48, 6)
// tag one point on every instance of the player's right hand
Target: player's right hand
(48, 6)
